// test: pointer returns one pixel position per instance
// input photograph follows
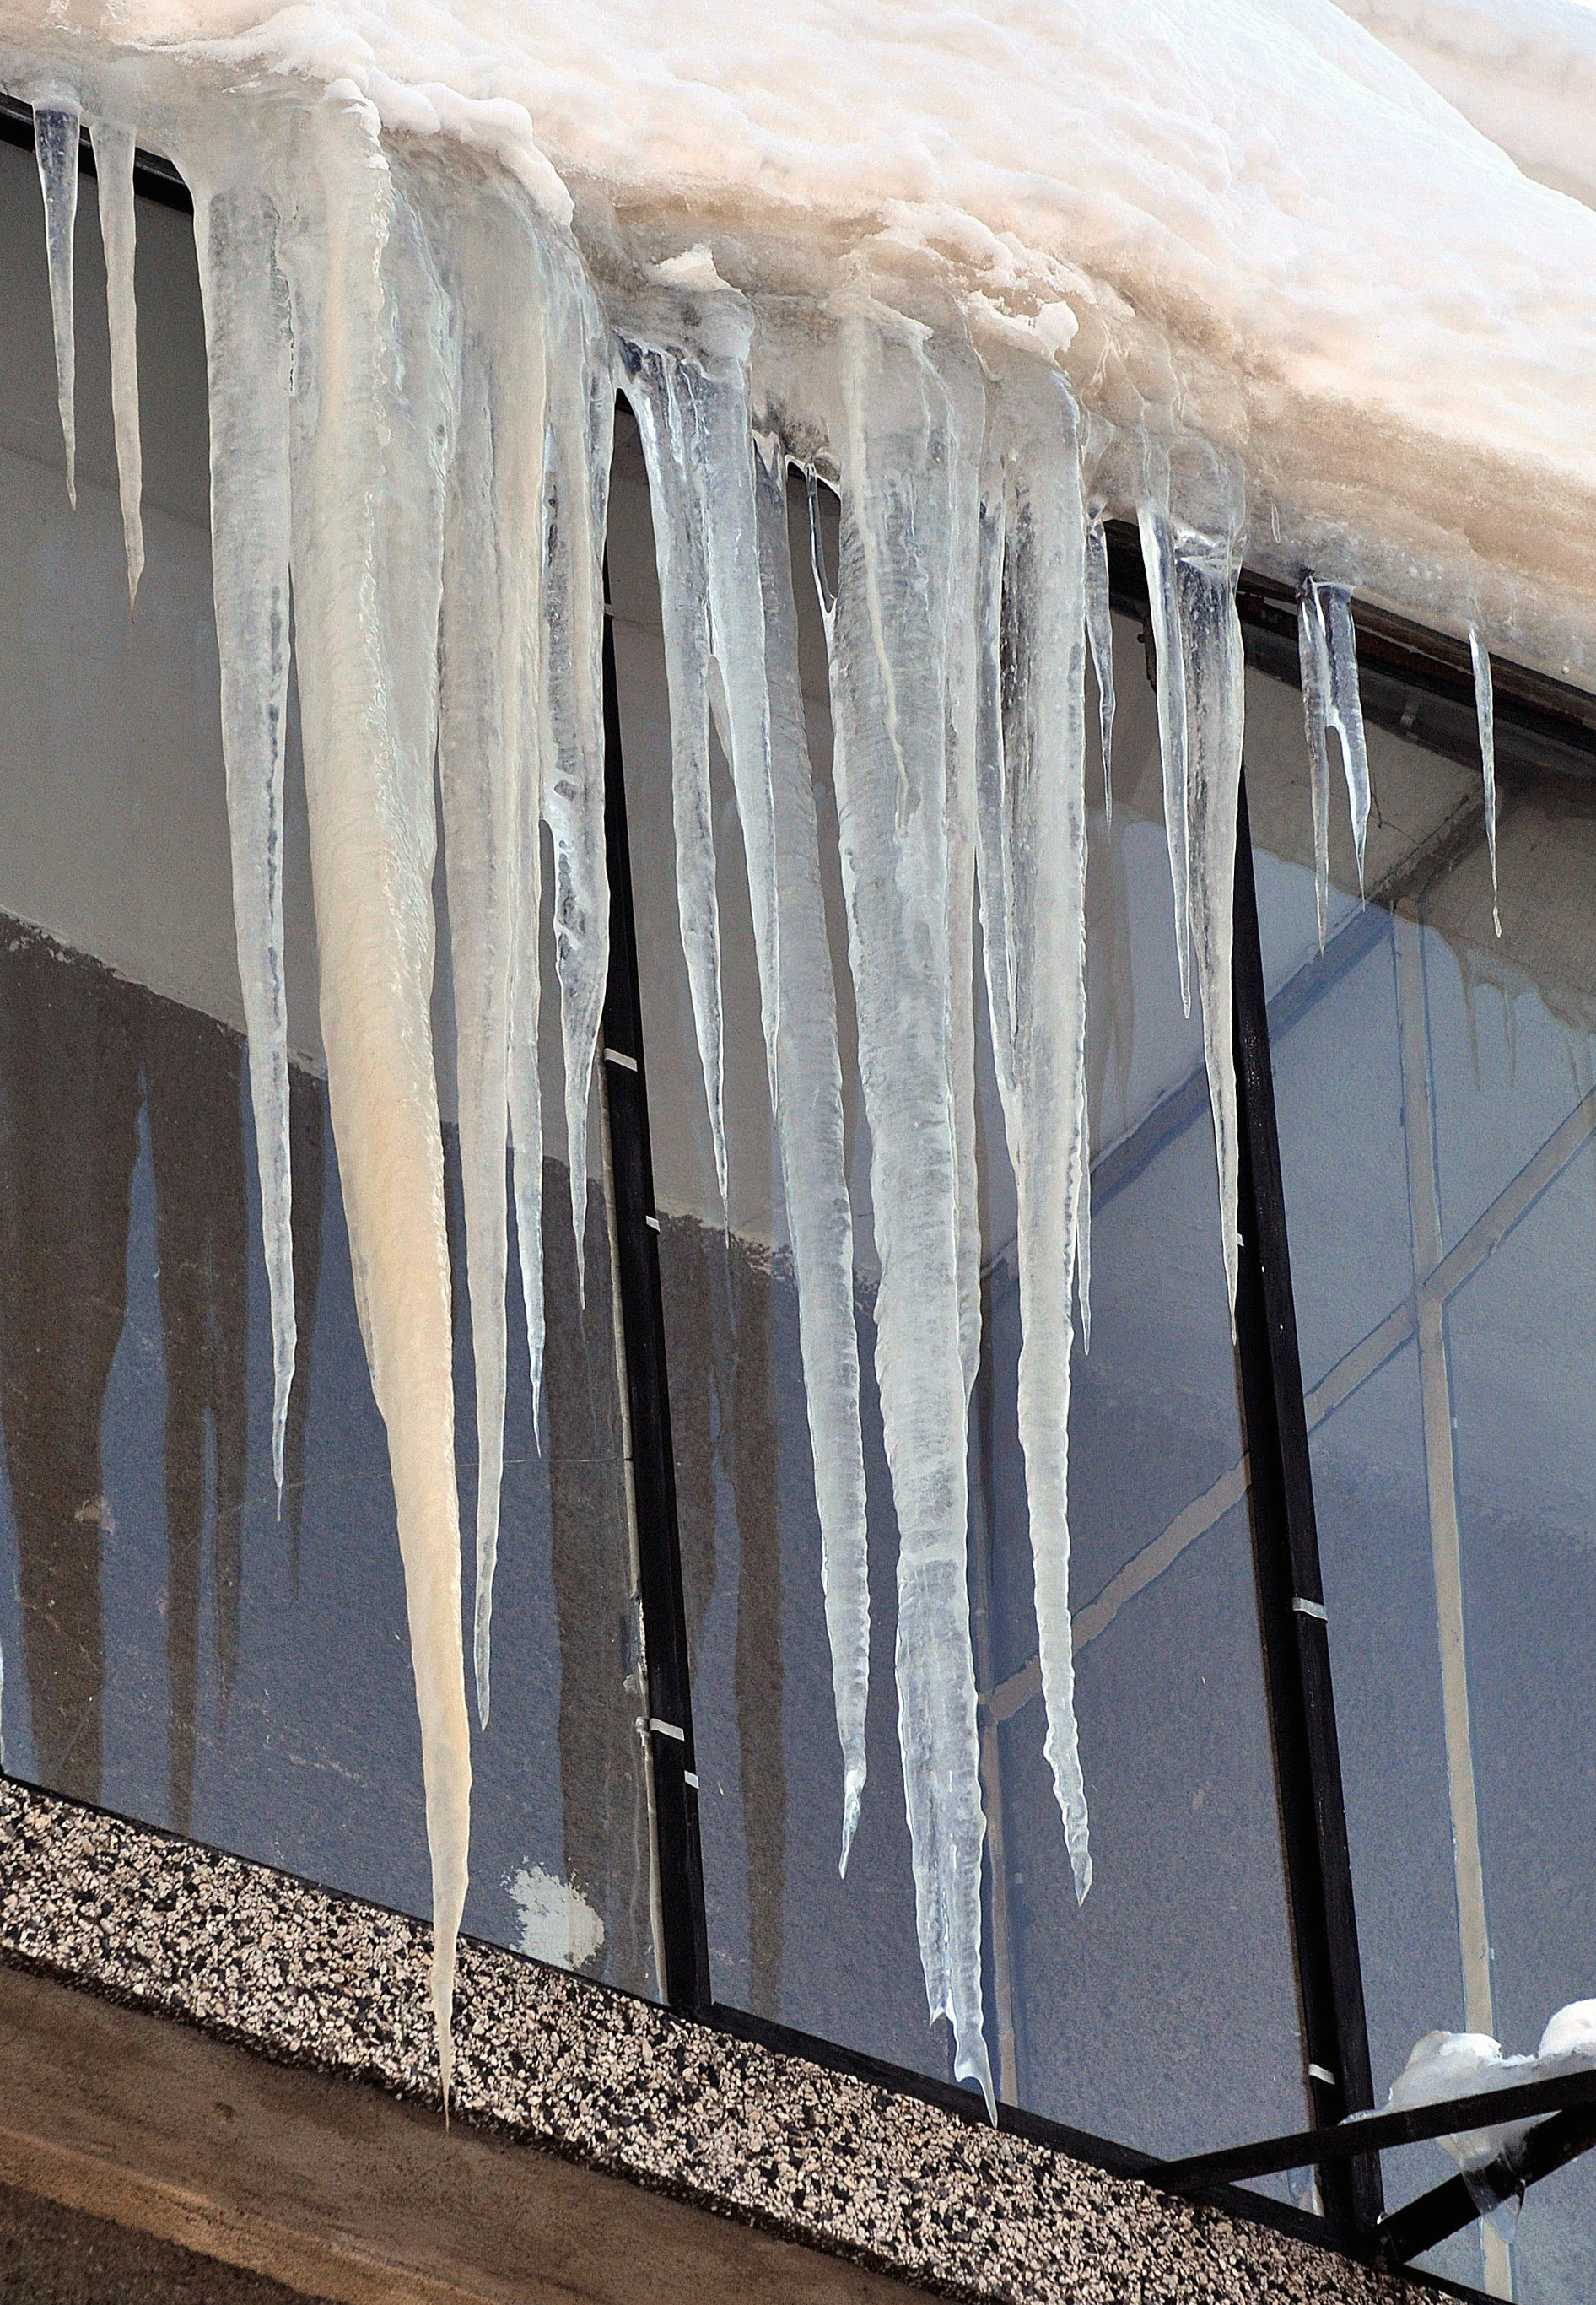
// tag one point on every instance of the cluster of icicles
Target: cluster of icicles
(412, 387)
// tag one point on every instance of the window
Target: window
(1287, 1896)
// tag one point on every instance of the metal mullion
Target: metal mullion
(1292, 1621)
(685, 1948)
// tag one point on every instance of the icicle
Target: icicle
(1100, 632)
(1485, 713)
(1208, 560)
(726, 584)
(690, 435)
(809, 1106)
(247, 352)
(1314, 664)
(901, 467)
(1343, 706)
(1032, 830)
(114, 165)
(1158, 555)
(579, 430)
(57, 125)
(961, 655)
(489, 783)
(373, 419)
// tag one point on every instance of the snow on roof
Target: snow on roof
(1265, 224)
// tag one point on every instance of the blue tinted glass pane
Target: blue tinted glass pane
(1433, 1081)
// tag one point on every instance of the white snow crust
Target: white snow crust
(1445, 2065)
(1263, 224)
(1236, 272)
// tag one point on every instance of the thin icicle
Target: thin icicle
(247, 352)
(1158, 555)
(1208, 559)
(1314, 663)
(373, 420)
(1485, 713)
(809, 1108)
(901, 465)
(1344, 709)
(57, 125)
(961, 655)
(1100, 632)
(489, 785)
(1033, 826)
(687, 431)
(114, 165)
(580, 430)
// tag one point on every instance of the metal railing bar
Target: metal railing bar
(1382, 2132)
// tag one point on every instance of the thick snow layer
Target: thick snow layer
(1264, 226)
(1522, 70)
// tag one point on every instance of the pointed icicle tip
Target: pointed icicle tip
(1485, 714)
(852, 1794)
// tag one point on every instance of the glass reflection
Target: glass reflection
(1163, 2012)
(1434, 1084)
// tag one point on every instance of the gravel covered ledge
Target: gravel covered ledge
(310, 1979)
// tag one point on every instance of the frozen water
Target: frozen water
(1314, 663)
(1100, 631)
(1163, 592)
(807, 1073)
(1032, 819)
(57, 126)
(903, 467)
(1485, 713)
(1207, 562)
(114, 165)
(245, 299)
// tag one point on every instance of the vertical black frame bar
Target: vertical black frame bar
(685, 1951)
(1292, 1624)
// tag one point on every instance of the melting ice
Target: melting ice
(413, 374)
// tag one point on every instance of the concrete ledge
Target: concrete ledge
(615, 2086)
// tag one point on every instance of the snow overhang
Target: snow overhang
(1253, 222)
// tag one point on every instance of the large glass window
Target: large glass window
(1438, 1142)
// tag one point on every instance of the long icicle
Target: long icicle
(579, 434)
(113, 166)
(1214, 665)
(809, 1106)
(372, 418)
(1032, 821)
(673, 402)
(57, 126)
(1485, 714)
(245, 301)
(488, 774)
(899, 469)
